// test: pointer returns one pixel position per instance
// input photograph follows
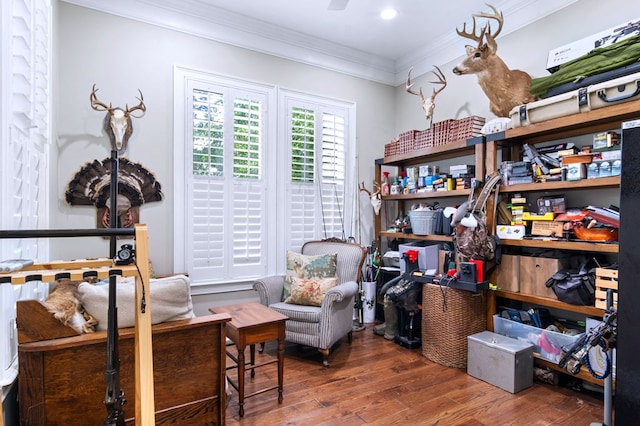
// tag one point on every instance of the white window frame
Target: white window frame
(275, 171)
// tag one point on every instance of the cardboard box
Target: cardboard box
(507, 275)
(543, 228)
(501, 361)
(510, 232)
(551, 204)
(575, 49)
(535, 271)
(533, 216)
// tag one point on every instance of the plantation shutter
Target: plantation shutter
(316, 181)
(227, 201)
(26, 28)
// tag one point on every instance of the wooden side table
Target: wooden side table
(253, 323)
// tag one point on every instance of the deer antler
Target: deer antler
(495, 15)
(471, 35)
(409, 85)
(95, 103)
(475, 37)
(428, 105)
(362, 188)
(441, 80)
(140, 107)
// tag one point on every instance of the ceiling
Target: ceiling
(352, 40)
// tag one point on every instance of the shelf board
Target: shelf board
(599, 183)
(582, 374)
(552, 303)
(564, 245)
(448, 150)
(442, 238)
(432, 194)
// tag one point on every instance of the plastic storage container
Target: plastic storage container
(422, 221)
(547, 344)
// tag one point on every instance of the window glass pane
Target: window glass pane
(247, 136)
(302, 144)
(208, 133)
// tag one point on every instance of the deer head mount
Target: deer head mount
(375, 198)
(117, 122)
(504, 87)
(428, 104)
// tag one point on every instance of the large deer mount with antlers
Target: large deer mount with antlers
(117, 121)
(504, 87)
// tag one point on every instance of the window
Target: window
(316, 183)
(255, 186)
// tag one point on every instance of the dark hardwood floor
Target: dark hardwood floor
(374, 381)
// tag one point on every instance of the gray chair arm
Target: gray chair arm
(340, 292)
(269, 289)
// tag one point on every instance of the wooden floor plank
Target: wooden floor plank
(375, 381)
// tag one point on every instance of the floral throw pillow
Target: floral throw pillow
(309, 291)
(308, 266)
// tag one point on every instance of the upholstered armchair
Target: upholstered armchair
(320, 326)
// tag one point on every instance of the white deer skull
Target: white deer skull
(117, 122)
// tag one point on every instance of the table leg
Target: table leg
(280, 367)
(241, 381)
(252, 357)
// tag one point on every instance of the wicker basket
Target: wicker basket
(450, 315)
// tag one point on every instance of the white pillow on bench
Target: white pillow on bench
(170, 300)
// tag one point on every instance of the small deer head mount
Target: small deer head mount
(117, 122)
(428, 104)
(375, 198)
(505, 88)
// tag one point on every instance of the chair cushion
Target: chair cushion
(308, 267)
(309, 291)
(301, 313)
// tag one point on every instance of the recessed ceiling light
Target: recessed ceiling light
(388, 14)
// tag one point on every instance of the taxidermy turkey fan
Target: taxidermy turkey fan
(91, 185)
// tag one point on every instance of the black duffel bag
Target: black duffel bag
(576, 287)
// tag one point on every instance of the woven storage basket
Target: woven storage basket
(450, 315)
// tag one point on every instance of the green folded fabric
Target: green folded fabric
(597, 61)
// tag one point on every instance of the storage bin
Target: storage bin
(422, 221)
(500, 360)
(547, 344)
(535, 271)
(507, 275)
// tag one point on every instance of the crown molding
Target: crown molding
(202, 20)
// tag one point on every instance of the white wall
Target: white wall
(121, 55)
(525, 49)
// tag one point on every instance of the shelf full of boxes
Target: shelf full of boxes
(541, 203)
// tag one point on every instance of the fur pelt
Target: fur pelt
(64, 303)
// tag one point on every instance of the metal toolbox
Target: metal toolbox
(500, 360)
(616, 91)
